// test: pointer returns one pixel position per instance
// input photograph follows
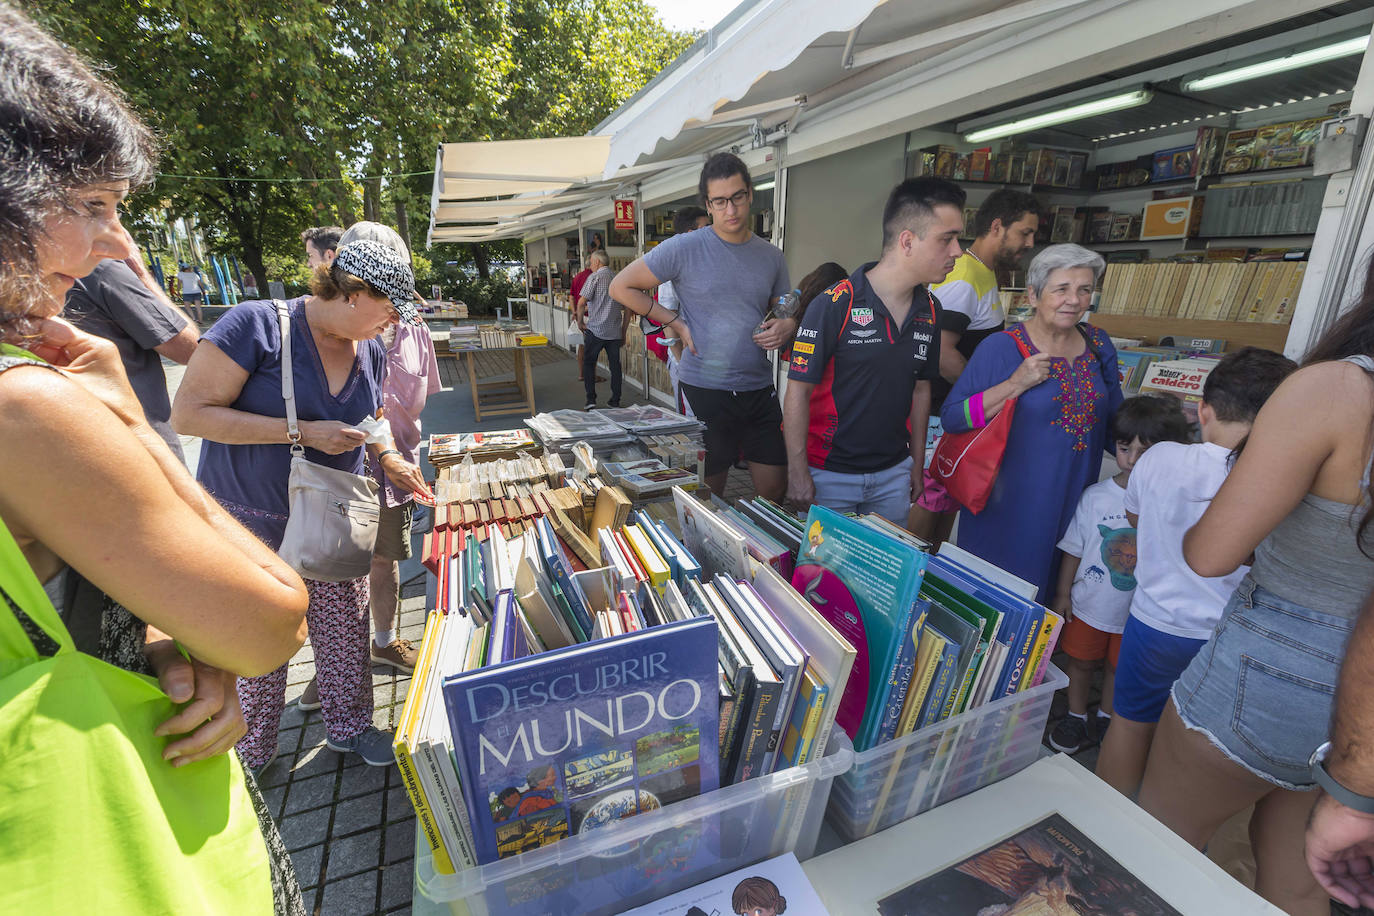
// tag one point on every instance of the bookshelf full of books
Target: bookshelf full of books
(1161, 218)
(616, 701)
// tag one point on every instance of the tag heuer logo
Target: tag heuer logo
(862, 317)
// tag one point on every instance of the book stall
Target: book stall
(1198, 148)
(620, 698)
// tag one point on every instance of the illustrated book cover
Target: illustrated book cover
(865, 584)
(556, 744)
(1049, 867)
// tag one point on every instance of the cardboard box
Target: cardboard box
(1173, 218)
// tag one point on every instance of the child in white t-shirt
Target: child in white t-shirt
(1097, 575)
(1174, 609)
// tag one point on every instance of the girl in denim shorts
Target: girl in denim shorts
(1256, 701)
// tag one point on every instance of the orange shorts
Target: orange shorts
(1089, 644)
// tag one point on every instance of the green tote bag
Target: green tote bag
(92, 819)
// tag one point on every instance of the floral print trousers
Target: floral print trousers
(339, 633)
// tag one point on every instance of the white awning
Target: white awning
(753, 41)
(493, 168)
(813, 77)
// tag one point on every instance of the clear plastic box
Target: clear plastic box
(644, 858)
(902, 778)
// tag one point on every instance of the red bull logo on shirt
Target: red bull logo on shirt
(799, 362)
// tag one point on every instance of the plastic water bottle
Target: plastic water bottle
(785, 306)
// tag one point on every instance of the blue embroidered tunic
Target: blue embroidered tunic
(1054, 452)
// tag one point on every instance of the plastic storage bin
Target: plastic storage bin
(902, 778)
(643, 858)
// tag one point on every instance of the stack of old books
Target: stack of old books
(450, 449)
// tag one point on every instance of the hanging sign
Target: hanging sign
(625, 214)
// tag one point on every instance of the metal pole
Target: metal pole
(581, 246)
(639, 222)
(229, 281)
(548, 271)
(526, 248)
(639, 248)
(219, 279)
(779, 239)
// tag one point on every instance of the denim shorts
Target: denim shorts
(1261, 690)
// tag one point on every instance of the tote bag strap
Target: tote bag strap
(288, 380)
(1016, 338)
(29, 626)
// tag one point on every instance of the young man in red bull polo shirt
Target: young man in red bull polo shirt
(859, 381)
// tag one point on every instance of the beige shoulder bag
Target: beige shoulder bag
(332, 526)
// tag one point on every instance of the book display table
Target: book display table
(1126, 852)
(501, 395)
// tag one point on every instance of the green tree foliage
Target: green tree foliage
(326, 95)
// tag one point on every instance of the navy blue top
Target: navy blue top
(250, 480)
(864, 368)
(1054, 451)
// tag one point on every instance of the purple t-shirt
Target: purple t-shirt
(250, 480)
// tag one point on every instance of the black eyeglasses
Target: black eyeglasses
(738, 199)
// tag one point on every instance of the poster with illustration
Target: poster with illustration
(1048, 868)
(770, 888)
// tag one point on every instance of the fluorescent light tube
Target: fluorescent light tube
(766, 186)
(1061, 115)
(1279, 64)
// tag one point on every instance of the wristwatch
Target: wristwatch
(1352, 800)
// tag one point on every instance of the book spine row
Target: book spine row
(1256, 291)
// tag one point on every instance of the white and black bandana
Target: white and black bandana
(386, 270)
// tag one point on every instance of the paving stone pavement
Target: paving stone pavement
(349, 826)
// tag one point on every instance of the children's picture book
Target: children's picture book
(560, 743)
(1049, 867)
(865, 584)
(771, 887)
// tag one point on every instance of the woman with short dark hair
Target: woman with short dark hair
(85, 483)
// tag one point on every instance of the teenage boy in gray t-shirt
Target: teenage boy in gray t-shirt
(726, 279)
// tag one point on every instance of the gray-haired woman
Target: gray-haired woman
(1065, 378)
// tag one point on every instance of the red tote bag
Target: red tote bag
(967, 463)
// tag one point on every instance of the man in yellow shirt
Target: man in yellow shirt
(1004, 230)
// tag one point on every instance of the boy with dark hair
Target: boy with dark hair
(1004, 229)
(321, 244)
(858, 393)
(1174, 610)
(726, 279)
(1097, 575)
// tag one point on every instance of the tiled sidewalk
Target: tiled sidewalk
(349, 826)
